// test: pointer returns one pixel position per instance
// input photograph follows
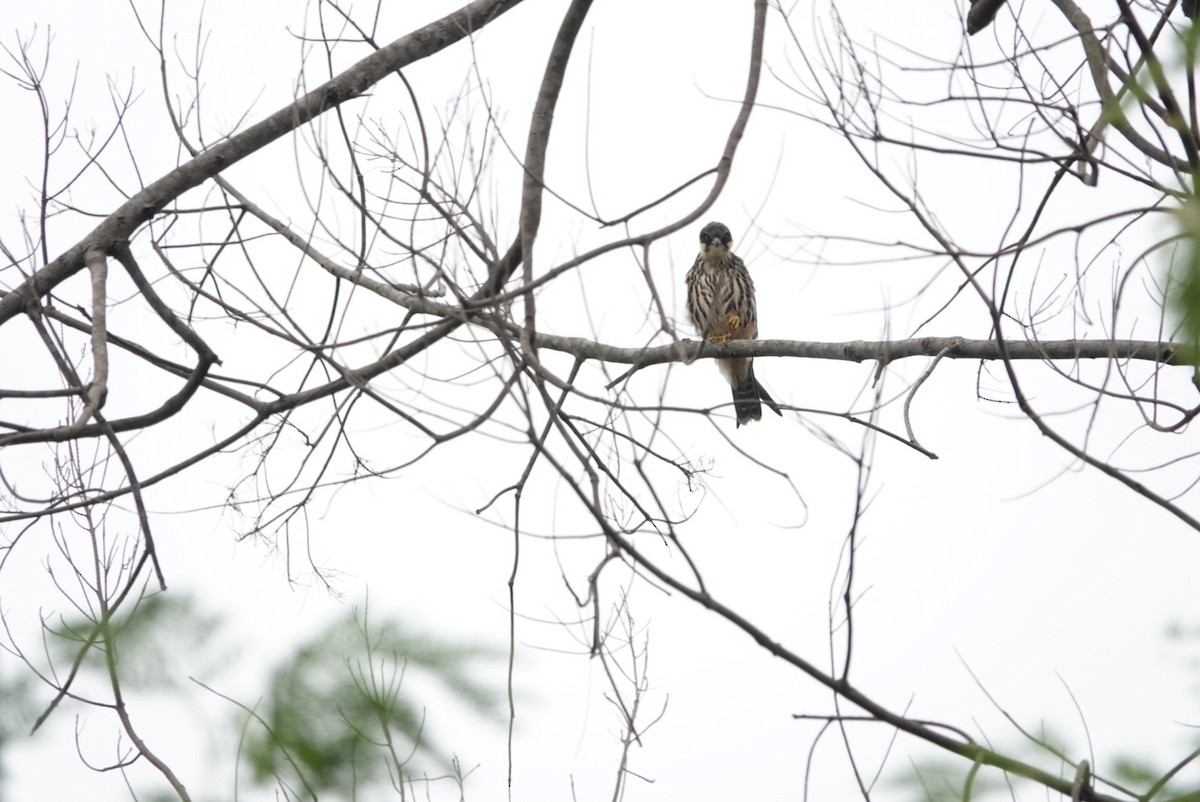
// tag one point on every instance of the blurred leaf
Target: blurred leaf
(1194, 796)
(939, 780)
(1185, 271)
(152, 639)
(944, 781)
(335, 717)
(1131, 772)
(16, 710)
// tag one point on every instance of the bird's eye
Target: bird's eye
(706, 239)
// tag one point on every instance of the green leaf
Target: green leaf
(1185, 271)
(335, 717)
(154, 640)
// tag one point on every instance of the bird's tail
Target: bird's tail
(746, 396)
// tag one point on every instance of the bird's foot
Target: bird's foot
(718, 338)
(735, 322)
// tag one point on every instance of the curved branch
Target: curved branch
(353, 82)
(1111, 112)
(919, 729)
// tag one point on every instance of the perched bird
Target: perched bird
(981, 14)
(720, 299)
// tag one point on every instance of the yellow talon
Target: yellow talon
(735, 322)
(719, 338)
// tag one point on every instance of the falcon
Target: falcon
(720, 300)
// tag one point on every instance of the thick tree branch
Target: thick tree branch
(122, 223)
(97, 390)
(864, 351)
(883, 351)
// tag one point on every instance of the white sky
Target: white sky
(1054, 586)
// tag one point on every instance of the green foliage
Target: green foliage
(1185, 271)
(1135, 773)
(334, 718)
(940, 780)
(945, 781)
(1185, 264)
(16, 710)
(150, 640)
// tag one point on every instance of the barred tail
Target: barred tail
(746, 395)
(745, 402)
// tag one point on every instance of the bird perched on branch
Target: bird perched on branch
(981, 14)
(720, 299)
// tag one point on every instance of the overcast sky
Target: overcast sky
(1000, 562)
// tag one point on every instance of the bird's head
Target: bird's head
(715, 241)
